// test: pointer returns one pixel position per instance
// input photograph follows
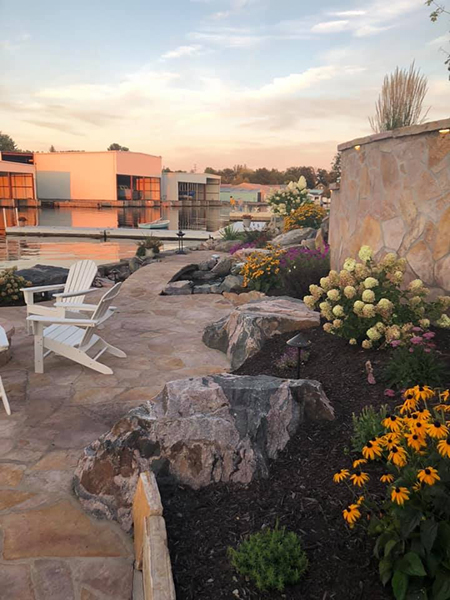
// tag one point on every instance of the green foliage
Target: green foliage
(229, 233)
(272, 558)
(284, 202)
(300, 268)
(410, 365)
(10, 285)
(367, 426)
(149, 243)
(7, 144)
(116, 146)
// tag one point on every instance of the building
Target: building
(108, 176)
(246, 192)
(17, 177)
(197, 187)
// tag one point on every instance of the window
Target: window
(5, 191)
(22, 186)
(191, 191)
(138, 188)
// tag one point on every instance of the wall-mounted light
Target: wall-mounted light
(444, 131)
(357, 147)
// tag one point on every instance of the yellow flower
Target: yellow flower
(341, 475)
(360, 500)
(410, 402)
(419, 427)
(358, 462)
(417, 486)
(444, 448)
(359, 478)
(397, 455)
(390, 439)
(429, 475)
(392, 422)
(351, 514)
(444, 396)
(371, 450)
(437, 430)
(415, 441)
(423, 392)
(387, 478)
(423, 414)
(399, 495)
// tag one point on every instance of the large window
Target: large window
(191, 191)
(17, 186)
(133, 187)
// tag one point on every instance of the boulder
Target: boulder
(207, 265)
(202, 276)
(223, 245)
(236, 268)
(243, 333)
(44, 275)
(184, 273)
(319, 242)
(135, 264)
(206, 288)
(232, 283)
(242, 255)
(325, 228)
(223, 267)
(197, 431)
(178, 288)
(244, 298)
(309, 243)
(293, 237)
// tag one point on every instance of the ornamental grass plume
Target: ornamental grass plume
(412, 521)
(371, 305)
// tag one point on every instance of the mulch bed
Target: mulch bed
(299, 492)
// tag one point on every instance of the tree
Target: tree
(116, 146)
(400, 103)
(52, 148)
(323, 177)
(438, 10)
(7, 144)
(335, 174)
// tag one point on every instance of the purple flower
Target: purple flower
(411, 350)
(395, 343)
(429, 335)
(427, 350)
(416, 340)
(389, 392)
(417, 329)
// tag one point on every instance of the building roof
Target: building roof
(98, 152)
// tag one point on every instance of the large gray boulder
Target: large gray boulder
(223, 267)
(44, 275)
(243, 333)
(291, 238)
(178, 288)
(197, 431)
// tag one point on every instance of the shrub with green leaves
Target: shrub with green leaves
(410, 364)
(272, 559)
(367, 426)
(10, 285)
(230, 233)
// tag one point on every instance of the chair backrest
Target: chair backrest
(100, 311)
(80, 278)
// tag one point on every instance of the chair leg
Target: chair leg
(39, 353)
(114, 351)
(82, 358)
(4, 398)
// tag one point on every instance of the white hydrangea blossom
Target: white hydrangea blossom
(368, 296)
(333, 295)
(370, 282)
(365, 253)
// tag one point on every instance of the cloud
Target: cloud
(347, 13)
(228, 37)
(193, 50)
(330, 26)
(442, 39)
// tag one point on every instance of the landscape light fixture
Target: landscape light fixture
(301, 343)
(444, 131)
(358, 147)
(180, 236)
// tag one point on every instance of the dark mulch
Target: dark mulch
(299, 493)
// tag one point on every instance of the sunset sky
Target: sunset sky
(209, 82)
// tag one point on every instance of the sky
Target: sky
(272, 83)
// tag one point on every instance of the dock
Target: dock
(108, 233)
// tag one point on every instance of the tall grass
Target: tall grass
(401, 100)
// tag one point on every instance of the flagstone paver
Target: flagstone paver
(49, 548)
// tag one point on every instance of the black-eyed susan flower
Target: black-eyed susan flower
(360, 500)
(410, 402)
(437, 430)
(358, 462)
(419, 428)
(359, 478)
(387, 478)
(443, 407)
(398, 456)
(399, 495)
(390, 440)
(417, 486)
(415, 441)
(423, 392)
(444, 448)
(341, 475)
(423, 414)
(371, 450)
(351, 514)
(392, 422)
(429, 475)
(444, 396)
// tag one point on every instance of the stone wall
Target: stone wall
(395, 196)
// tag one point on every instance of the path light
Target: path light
(444, 131)
(180, 236)
(301, 343)
(358, 147)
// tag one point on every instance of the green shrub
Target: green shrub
(365, 303)
(302, 267)
(284, 201)
(409, 365)
(272, 558)
(367, 426)
(10, 285)
(149, 243)
(229, 233)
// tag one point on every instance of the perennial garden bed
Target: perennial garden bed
(299, 493)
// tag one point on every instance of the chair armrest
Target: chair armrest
(62, 321)
(83, 307)
(75, 294)
(43, 288)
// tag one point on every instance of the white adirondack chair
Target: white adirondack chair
(78, 284)
(4, 343)
(74, 338)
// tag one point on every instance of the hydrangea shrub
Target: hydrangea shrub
(365, 303)
(10, 285)
(286, 201)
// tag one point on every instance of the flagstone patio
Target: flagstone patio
(49, 548)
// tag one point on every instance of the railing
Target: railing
(150, 541)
